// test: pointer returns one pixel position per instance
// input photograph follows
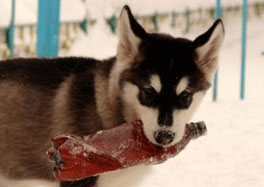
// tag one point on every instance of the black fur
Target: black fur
(44, 72)
(171, 59)
(202, 39)
(137, 29)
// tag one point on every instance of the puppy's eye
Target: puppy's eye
(186, 96)
(148, 96)
(184, 100)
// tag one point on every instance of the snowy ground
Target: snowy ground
(232, 153)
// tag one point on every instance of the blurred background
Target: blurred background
(232, 153)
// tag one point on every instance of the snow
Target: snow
(100, 42)
(77, 149)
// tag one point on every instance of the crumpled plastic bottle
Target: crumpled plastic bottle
(122, 147)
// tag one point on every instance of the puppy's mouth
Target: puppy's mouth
(164, 137)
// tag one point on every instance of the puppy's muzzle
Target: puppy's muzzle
(164, 137)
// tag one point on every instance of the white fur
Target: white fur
(182, 85)
(181, 117)
(149, 116)
(119, 67)
(155, 82)
(113, 87)
(129, 96)
(126, 52)
(128, 41)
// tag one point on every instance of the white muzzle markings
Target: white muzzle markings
(155, 82)
(149, 116)
(182, 85)
(181, 117)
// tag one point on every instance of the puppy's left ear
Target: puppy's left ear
(207, 46)
(130, 33)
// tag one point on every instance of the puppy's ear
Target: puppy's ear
(207, 46)
(130, 33)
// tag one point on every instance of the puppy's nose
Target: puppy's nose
(164, 137)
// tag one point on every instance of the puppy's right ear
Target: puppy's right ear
(130, 33)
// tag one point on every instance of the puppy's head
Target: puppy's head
(163, 79)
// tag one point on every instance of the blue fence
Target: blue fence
(48, 28)
(218, 15)
(243, 49)
(10, 31)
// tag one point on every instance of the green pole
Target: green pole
(84, 25)
(113, 23)
(155, 21)
(48, 28)
(10, 31)
(243, 49)
(173, 20)
(218, 15)
(187, 14)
